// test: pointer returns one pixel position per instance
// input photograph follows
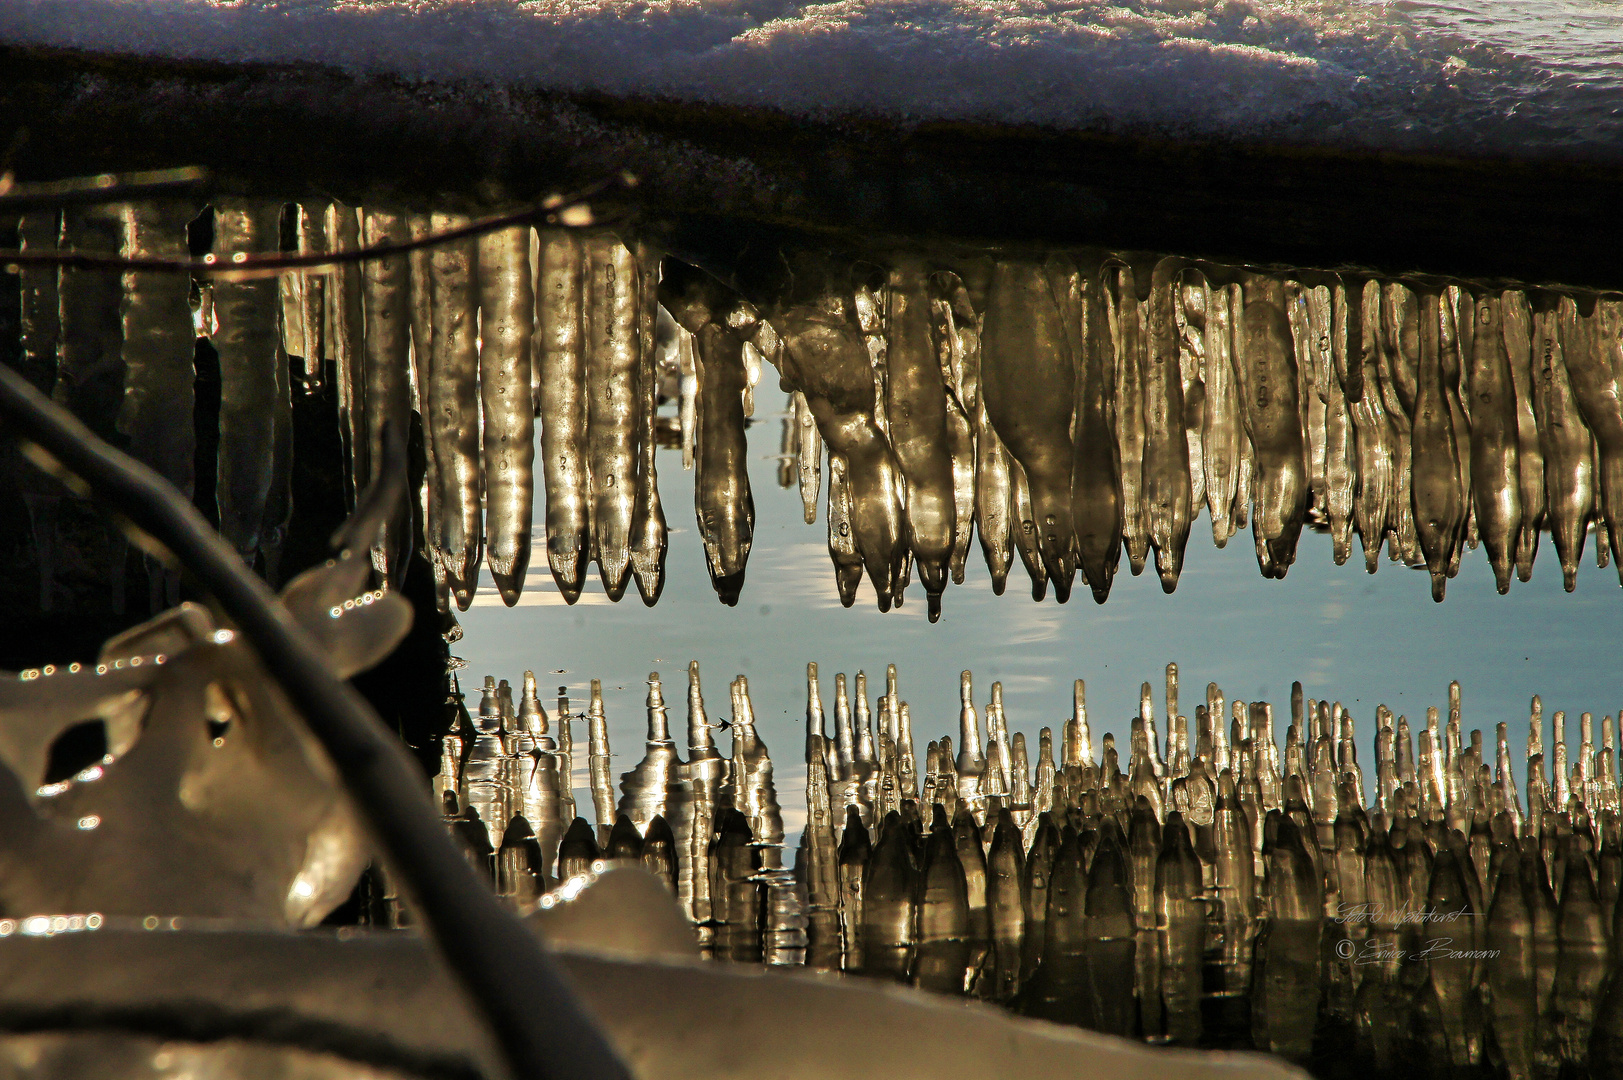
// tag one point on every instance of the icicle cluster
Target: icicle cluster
(1071, 408)
(1215, 891)
(709, 827)
(1062, 409)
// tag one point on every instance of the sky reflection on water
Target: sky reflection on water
(1348, 636)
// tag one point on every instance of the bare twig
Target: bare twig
(108, 187)
(538, 1022)
(565, 211)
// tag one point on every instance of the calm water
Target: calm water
(1346, 635)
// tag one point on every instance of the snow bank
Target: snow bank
(1506, 76)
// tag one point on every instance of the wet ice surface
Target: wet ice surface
(1346, 635)
(1499, 75)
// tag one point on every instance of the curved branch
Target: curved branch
(555, 210)
(512, 980)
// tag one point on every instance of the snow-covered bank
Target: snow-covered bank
(1483, 76)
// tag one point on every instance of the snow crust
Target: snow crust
(1523, 77)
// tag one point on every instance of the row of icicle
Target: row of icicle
(505, 784)
(1218, 889)
(1069, 409)
(1062, 410)
(1214, 889)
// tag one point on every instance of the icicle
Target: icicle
(823, 351)
(155, 413)
(311, 291)
(1222, 432)
(1024, 529)
(1096, 484)
(649, 536)
(1439, 502)
(1517, 319)
(916, 409)
(809, 456)
(39, 332)
(1341, 453)
(1569, 464)
(1268, 388)
(1127, 335)
(251, 394)
(613, 364)
(455, 536)
(1167, 482)
(346, 320)
(688, 389)
(560, 362)
(386, 369)
(788, 444)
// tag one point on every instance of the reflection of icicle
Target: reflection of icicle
(597, 734)
(646, 791)
(506, 329)
(753, 792)
(706, 770)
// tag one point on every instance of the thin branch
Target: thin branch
(553, 210)
(540, 1026)
(108, 187)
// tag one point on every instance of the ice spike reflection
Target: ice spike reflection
(1222, 892)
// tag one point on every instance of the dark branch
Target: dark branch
(513, 982)
(109, 187)
(552, 211)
